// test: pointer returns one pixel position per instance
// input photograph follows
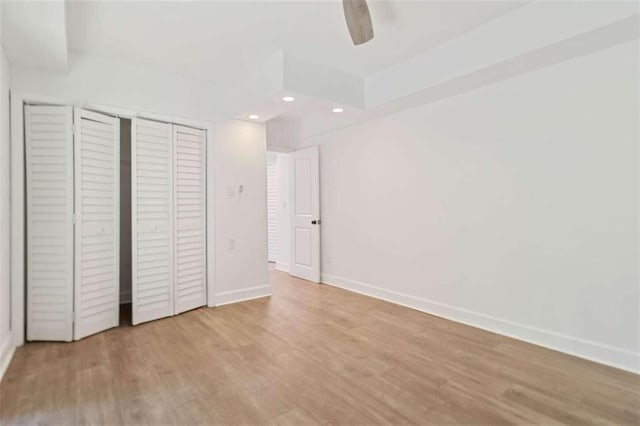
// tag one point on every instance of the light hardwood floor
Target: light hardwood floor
(310, 354)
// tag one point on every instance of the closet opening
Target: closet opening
(115, 220)
(125, 221)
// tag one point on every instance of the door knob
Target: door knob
(315, 222)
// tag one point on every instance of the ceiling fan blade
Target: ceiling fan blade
(356, 13)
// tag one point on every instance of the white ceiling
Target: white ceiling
(219, 41)
(34, 34)
(222, 59)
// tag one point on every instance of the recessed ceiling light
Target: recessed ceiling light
(337, 110)
(253, 116)
(288, 99)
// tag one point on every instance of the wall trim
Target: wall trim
(6, 354)
(592, 351)
(242, 295)
(282, 266)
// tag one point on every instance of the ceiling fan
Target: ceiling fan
(356, 13)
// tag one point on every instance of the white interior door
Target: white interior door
(152, 284)
(49, 182)
(190, 218)
(97, 189)
(305, 202)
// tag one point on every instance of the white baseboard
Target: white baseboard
(281, 266)
(241, 295)
(593, 351)
(7, 348)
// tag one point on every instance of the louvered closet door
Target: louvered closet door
(49, 181)
(152, 220)
(272, 211)
(190, 218)
(97, 187)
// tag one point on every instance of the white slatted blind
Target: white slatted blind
(272, 210)
(190, 217)
(152, 220)
(49, 181)
(97, 188)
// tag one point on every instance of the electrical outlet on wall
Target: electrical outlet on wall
(232, 243)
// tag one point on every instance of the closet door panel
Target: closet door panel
(152, 220)
(190, 218)
(97, 186)
(49, 202)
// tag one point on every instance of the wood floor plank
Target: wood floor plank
(310, 354)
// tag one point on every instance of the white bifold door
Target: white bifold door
(305, 224)
(152, 220)
(190, 218)
(168, 219)
(97, 189)
(72, 187)
(49, 222)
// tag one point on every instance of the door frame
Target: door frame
(17, 201)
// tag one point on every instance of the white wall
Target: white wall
(241, 217)
(282, 134)
(36, 34)
(105, 81)
(6, 341)
(513, 207)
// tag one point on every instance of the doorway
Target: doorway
(278, 213)
(293, 212)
